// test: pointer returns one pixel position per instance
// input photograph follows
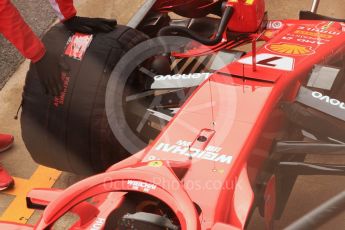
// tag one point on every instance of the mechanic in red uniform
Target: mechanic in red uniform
(13, 27)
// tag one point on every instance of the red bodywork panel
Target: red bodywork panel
(232, 113)
(248, 16)
(297, 47)
(212, 150)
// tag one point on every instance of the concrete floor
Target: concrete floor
(308, 193)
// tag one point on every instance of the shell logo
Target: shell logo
(290, 49)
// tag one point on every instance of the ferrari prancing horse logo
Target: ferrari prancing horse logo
(290, 49)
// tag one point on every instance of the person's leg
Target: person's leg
(6, 141)
(6, 181)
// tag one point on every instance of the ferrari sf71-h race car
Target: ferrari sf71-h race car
(212, 107)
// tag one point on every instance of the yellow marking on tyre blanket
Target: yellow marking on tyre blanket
(17, 211)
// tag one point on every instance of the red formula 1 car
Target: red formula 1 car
(240, 139)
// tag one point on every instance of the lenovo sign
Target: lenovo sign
(322, 102)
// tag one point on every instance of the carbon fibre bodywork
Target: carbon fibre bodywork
(222, 155)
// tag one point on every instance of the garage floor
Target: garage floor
(309, 192)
